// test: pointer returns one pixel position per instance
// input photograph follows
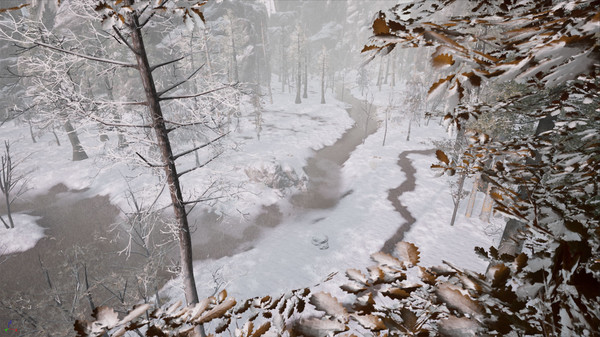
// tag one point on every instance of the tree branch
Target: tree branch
(175, 157)
(147, 162)
(179, 125)
(195, 95)
(5, 225)
(147, 20)
(124, 40)
(199, 166)
(98, 59)
(131, 103)
(202, 200)
(165, 63)
(160, 93)
(145, 126)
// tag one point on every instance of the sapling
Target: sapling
(12, 184)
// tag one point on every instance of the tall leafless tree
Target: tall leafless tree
(12, 184)
(126, 25)
(299, 75)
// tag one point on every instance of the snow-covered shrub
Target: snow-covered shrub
(275, 176)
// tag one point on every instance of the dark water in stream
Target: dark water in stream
(72, 218)
(323, 170)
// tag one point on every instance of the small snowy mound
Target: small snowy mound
(23, 237)
(275, 176)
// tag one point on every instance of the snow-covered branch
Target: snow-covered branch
(175, 157)
(87, 57)
(152, 68)
(199, 166)
(196, 95)
(162, 92)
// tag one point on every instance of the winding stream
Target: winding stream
(408, 185)
(212, 240)
(324, 167)
(75, 218)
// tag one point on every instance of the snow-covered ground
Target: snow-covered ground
(284, 257)
(21, 238)
(289, 133)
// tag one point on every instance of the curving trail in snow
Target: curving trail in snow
(408, 185)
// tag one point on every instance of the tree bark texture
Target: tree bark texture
(159, 127)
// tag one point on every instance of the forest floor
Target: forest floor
(364, 218)
(270, 246)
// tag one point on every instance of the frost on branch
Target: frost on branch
(114, 11)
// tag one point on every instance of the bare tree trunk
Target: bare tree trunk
(55, 136)
(11, 223)
(332, 81)
(234, 65)
(456, 199)
(298, 76)
(8, 183)
(343, 85)
(78, 151)
(267, 62)
(323, 80)
(387, 116)
(207, 53)
(486, 209)
(257, 103)
(387, 70)
(161, 132)
(380, 74)
(473, 196)
(305, 94)
(122, 141)
(367, 109)
(393, 84)
(283, 74)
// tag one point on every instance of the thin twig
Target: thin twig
(165, 63)
(125, 40)
(180, 125)
(199, 166)
(199, 147)
(148, 19)
(145, 126)
(160, 93)
(89, 57)
(147, 162)
(195, 95)
(202, 200)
